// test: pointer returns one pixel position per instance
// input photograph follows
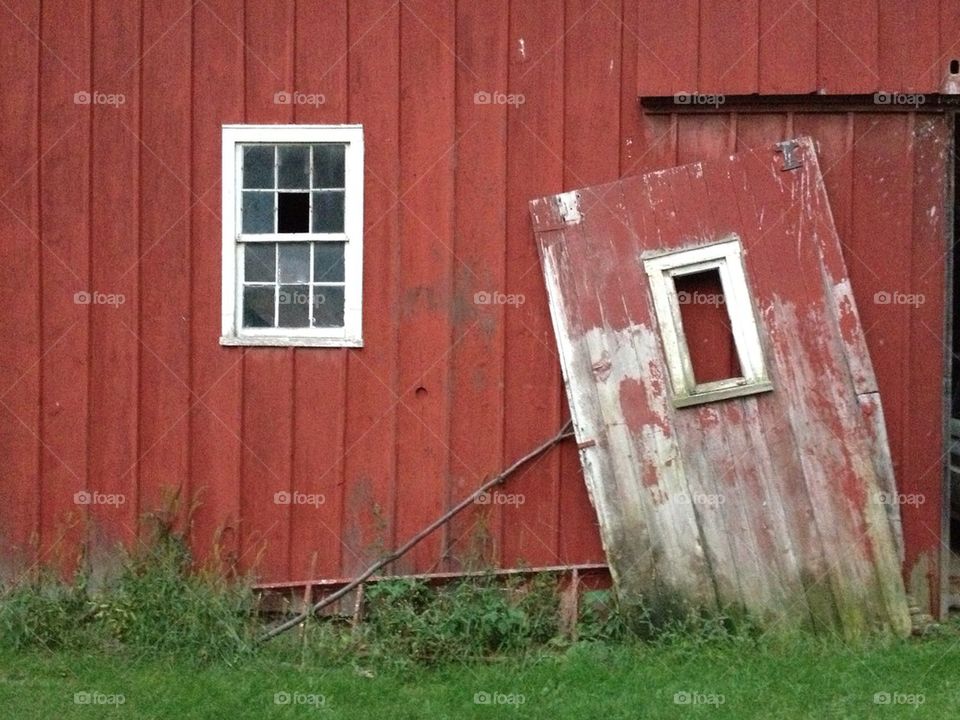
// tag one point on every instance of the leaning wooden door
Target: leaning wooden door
(730, 429)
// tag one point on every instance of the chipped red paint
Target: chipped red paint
(158, 407)
(716, 512)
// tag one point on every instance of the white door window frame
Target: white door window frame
(234, 139)
(726, 257)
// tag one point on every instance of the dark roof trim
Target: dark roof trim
(874, 102)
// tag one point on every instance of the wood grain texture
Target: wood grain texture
(20, 353)
(114, 388)
(535, 132)
(427, 180)
(477, 359)
(908, 57)
(163, 331)
(189, 406)
(699, 488)
(65, 270)
(788, 47)
(369, 504)
(925, 412)
(847, 47)
(729, 44)
(216, 373)
(732, 47)
(668, 48)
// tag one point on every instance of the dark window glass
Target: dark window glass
(328, 262)
(328, 166)
(293, 212)
(328, 211)
(294, 262)
(258, 166)
(294, 166)
(259, 262)
(327, 306)
(258, 307)
(294, 306)
(257, 213)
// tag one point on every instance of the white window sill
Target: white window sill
(289, 341)
(723, 393)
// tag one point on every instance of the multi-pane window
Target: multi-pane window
(293, 212)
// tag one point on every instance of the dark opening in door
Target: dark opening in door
(953, 593)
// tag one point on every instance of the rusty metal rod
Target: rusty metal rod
(564, 433)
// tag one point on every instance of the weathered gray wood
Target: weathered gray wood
(763, 503)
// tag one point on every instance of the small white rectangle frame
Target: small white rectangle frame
(726, 257)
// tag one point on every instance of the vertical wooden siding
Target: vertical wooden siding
(737, 47)
(885, 177)
(142, 400)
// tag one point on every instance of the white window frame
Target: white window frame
(232, 332)
(725, 256)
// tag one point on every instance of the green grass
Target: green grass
(799, 679)
(163, 639)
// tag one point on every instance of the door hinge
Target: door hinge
(791, 159)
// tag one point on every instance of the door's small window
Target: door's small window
(707, 323)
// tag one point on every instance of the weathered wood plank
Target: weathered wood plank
(798, 540)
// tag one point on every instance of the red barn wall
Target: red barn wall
(140, 399)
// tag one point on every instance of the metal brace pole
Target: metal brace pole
(564, 433)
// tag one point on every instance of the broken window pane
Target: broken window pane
(258, 306)
(294, 306)
(294, 166)
(327, 306)
(257, 212)
(258, 166)
(328, 211)
(328, 262)
(328, 166)
(259, 262)
(293, 212)
(294, 262)
(706, 326)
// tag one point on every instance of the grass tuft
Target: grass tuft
(156, 606)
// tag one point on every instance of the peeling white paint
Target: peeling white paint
(648, 460)
(569, 206)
